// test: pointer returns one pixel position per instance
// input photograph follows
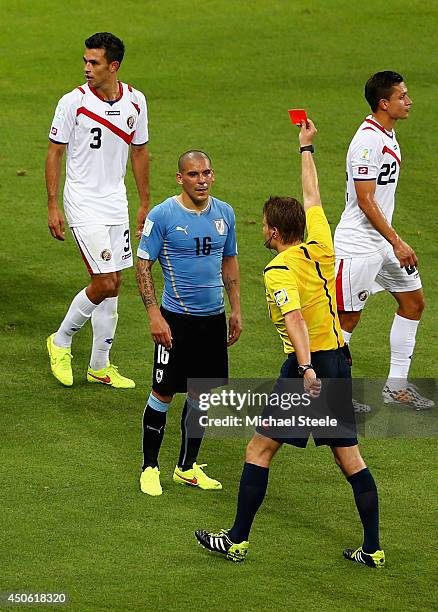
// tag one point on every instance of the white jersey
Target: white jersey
(98, 134)
(373, 154)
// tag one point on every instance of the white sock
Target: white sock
(347, 336)
(77, 315)
(402, 340)
(104, 322)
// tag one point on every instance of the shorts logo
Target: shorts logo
(130, 121)
(281, 297)
(159, 376)
(411, 270)
(148, 227)
(106, 255)
(220, 226)
(362, 170)
(54, 131)
(363, 295)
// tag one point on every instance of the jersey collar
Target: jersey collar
(103, 99)
(189, 210)
(371, 120)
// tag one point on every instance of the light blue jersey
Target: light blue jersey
(190, 247)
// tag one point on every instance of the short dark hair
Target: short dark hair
(380, 86)
(191, 155)
(114, 47)
(288, 216)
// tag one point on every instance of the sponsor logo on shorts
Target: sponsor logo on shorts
(54, 131)
(363, 295)
(281, 297)
(362, 170)
(127, 256)
(106, 255)
(130, 121)
(220, 226)
(112, 112)
(411, 270)
(159, 376)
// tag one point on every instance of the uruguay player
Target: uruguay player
(193, 237)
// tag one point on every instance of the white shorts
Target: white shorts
(359, 277)
(104, 248)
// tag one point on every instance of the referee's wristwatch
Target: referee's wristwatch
(303, 368)
(307, 148)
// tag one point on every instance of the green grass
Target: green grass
(218, 76)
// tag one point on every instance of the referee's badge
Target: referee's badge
(220, 226)
(281, 297)
(159, 375)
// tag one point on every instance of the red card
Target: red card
(297, 115)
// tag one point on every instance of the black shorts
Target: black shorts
(335, 372)
(199, 351)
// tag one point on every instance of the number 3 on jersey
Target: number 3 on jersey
(96, 143)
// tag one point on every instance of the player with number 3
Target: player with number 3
(97, 123)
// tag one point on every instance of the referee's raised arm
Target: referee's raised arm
(309, 177)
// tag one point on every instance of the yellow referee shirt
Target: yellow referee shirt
(303, 276)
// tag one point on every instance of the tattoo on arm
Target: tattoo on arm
(145, 282)
(230, 283)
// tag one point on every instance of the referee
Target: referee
(193, 237)
(300, 290)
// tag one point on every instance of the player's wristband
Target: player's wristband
(303, 368)
(307, 148)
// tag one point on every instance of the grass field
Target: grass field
(218, 76)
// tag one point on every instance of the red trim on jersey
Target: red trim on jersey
(391, 152)
(81, 89)
(368, 128)
(136, 106)
(339, 292)
(90, 271)
(129, 87)
(379, 127)
(117, 131)
(103, 99)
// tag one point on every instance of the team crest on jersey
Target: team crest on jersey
(220, 226)
(363, 295)
(281, 297)
(106, 255)
(159, 376)
(130, 121)
(366, 154)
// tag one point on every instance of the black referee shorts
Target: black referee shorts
(199, 351)
(336, 399)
